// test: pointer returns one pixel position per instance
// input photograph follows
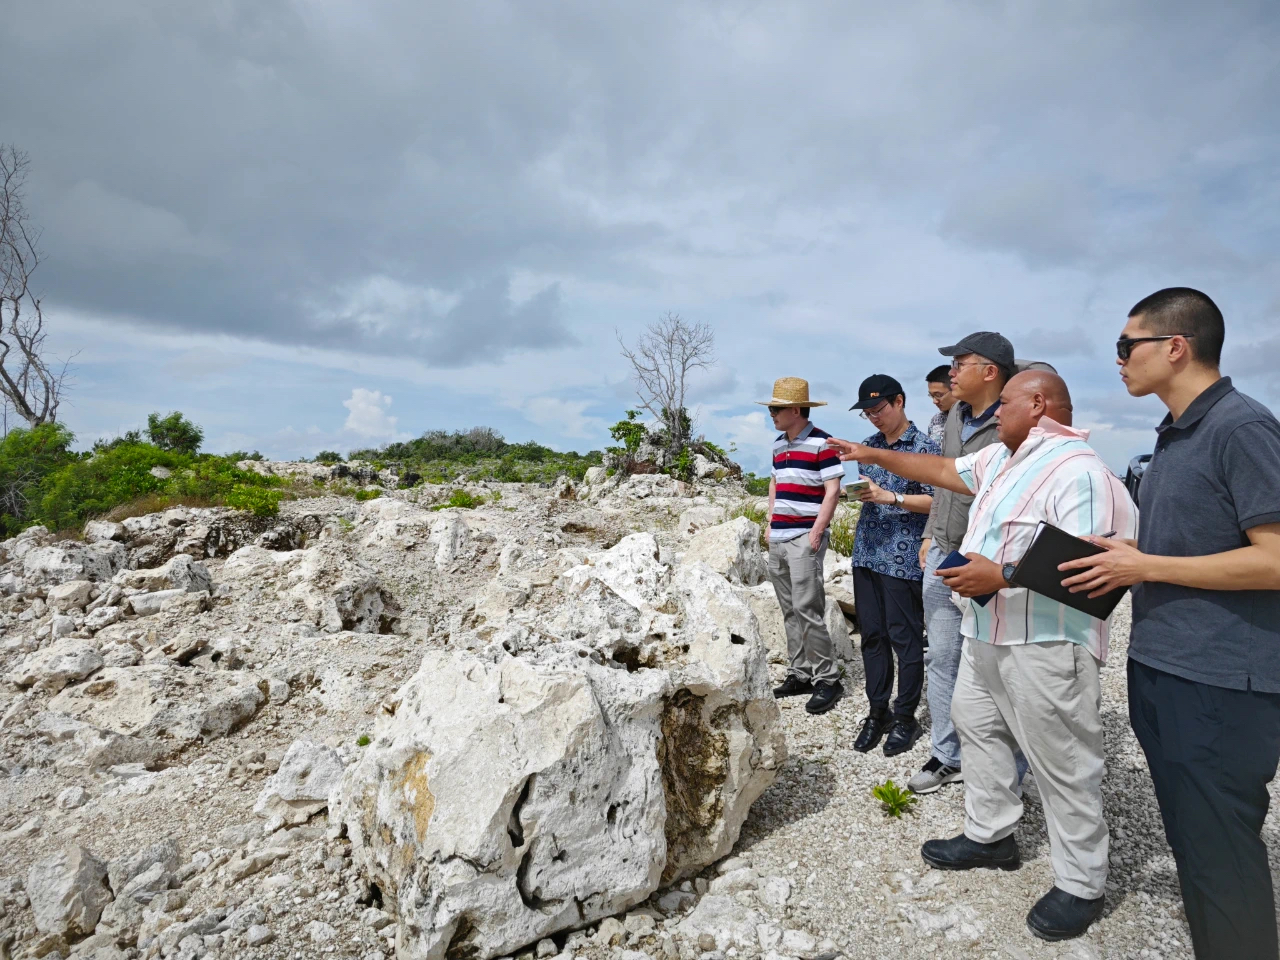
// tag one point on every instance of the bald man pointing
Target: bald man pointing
(1029, 671)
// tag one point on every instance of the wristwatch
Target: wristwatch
(899, 499)
(1007, 572)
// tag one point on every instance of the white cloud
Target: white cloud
(368, 416)
(567, 417)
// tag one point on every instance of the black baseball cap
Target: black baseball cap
(877, 387)
(994, 346)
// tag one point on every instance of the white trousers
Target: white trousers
(1044, 698)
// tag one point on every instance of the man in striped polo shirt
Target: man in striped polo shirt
(1029, 668)
(804, 488)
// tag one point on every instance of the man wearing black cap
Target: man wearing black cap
(886, 572)
(981, 363)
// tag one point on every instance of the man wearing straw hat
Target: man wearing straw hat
(804, 488)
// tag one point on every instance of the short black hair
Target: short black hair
(804, 412)
(1181, 310)
(940, 374)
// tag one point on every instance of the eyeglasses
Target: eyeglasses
(1124, 346)
(967, 363)
(875, 411)
(774, 411)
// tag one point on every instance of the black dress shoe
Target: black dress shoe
(1059, 915)
(902, 736)
(825, 696)
(871, 732)
(961, 853)
(793, 686)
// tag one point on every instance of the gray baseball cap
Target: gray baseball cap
(994, 346)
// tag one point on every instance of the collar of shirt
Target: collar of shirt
(1198, 407)
(1047, 429)
(966, 413)
(908, 438)
(802, 435)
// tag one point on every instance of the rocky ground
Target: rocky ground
(215, 737)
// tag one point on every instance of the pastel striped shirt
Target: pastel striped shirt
(1057, 477)
(801, 468)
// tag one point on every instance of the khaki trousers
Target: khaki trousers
(795, 571)
(1046, 699)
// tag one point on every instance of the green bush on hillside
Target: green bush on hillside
(174, 432)
(480, 453)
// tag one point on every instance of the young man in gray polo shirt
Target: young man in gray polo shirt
(1204, 657)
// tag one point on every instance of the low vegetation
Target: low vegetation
(894, 799)
(43, 481)
(480, 453)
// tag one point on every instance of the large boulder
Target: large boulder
(449, 539)
(68, 890)
(66, 661)
(179, 572)
(70, 595)
(69, 560)
(505, 798)
(300, 789)
(731, 549)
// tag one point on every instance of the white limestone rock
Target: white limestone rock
(179, 572)
(631, 569)
(300, 789)
(70, 560)
(96, 530)
(699, 518)
(723, 919)
(68, 890)
(53, 668)
(339, 592)
(457, 810)
(449, 538)
(731, 549)
(764, 604)
(70, 595)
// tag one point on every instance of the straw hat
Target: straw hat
(791, 392)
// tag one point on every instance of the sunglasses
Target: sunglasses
(1124, 346)
(774, 411)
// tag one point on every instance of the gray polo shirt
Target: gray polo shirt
(1214, 475)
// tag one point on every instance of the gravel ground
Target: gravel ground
(860, 879)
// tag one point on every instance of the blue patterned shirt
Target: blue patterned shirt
(888, 537)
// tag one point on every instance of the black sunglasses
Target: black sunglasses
(1124, 346)
(776, 410)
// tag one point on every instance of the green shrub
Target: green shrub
(328, 456)
(756, 486)
(629, 432)
(364, 740)
(260, 501)
(26, 458)
(89, 487)
(462, 499)
(174, 432)
(368, 494)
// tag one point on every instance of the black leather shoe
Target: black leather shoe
(825, 696)
(1059, 915)
(961, 853)
(902, 736)
(793, 686)
(871, 732)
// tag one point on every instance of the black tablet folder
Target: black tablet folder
(1038, 571)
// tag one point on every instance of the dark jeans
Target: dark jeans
(891, 619)
(1212, 752)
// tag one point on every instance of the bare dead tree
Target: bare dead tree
(30, 380)
(661, 360)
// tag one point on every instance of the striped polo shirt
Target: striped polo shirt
(1054, 476)
(800, 469)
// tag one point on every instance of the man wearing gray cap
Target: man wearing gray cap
(981, 363)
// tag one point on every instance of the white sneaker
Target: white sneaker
(933, 776)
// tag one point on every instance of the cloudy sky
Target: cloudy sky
(328, 224)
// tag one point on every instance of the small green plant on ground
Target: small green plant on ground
(844, 526)
(462, 499)
(629, 432)
(368, 494)
(364, 740)
(895, 799)
(345, 526)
